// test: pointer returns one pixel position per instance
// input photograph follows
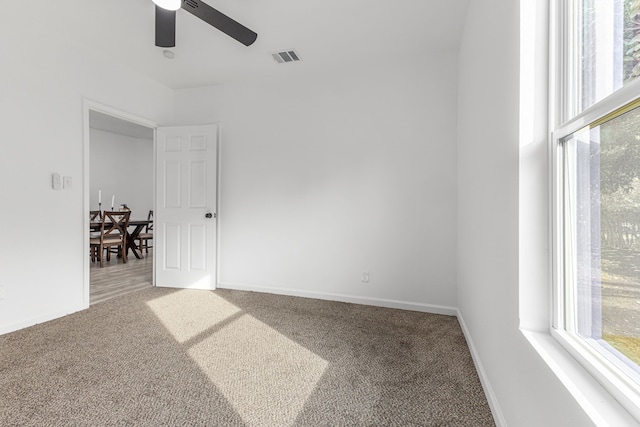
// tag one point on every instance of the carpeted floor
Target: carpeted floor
(228, 358)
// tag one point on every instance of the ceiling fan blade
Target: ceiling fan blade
(165, 27)
(220, 21)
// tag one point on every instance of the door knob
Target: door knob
(208, 215)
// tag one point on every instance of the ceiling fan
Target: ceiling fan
(166, 21)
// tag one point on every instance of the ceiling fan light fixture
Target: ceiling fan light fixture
(169, 4)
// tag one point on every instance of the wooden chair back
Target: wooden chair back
(95, 216)
(113, 232)
(115, 223)
(149, 227)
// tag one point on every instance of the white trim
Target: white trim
(155, 259)
(12, 327)
(599, 405)
(620, 387)
(626, 94)
(558, 61)
(556, 228)
(354, 299)
(87, 106)
(492, 399)
(218, 198)
(86, 161)
(559, 110)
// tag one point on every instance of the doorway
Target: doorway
(119, 172)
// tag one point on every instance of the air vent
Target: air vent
(286, 56)
(192, 4)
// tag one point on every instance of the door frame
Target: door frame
(87, 106)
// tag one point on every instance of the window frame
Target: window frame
(562, 105)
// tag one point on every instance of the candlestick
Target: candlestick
(99, 196)
(113, 199)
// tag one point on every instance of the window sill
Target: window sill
(598, 403)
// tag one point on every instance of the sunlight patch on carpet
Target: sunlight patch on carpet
(264, 375)
(188, 313)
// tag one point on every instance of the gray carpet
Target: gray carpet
(227, 358)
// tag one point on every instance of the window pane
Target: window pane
(607, 49)
(602, 235)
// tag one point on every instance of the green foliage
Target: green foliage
(620, 180)
(620, 153)
(631, 39)
(629, 346)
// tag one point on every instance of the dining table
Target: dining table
(134, 229)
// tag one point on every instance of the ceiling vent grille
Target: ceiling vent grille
(192, 4)
(286, 56)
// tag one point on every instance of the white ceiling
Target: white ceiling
(328, 34)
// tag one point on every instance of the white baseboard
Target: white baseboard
(484, 379)
(12, 327)
(377, 302)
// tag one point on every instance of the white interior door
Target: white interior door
(185, 218)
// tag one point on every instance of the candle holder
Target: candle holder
(100, 209)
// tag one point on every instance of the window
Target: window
(596, 158)
(602, 50)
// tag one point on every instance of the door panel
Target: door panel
(186, 192)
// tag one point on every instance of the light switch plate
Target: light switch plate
(56, 181)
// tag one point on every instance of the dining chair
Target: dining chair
(94, 216)
(146, 235)
(113, 233)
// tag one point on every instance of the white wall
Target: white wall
(121, 166)
(44, 80)
(329, 176)
(521, 386)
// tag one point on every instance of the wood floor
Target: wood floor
(117, 278)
